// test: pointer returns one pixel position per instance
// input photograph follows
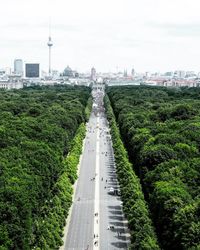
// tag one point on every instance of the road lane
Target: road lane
(96, 198)
(97, 220)
(117, 236)
(80, 228)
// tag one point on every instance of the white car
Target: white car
(111, 190)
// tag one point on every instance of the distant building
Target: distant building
(156, 74)
(133, 72)
(179, 74)
(68, 72)
(125, 73)
(93, 75)
(2, 72)
(76, 74)
(32, 70)
(55, 73)
(5, 71)
(190, 74)
(6, 84)
(18, 67)
(169, 74)
(147, 74)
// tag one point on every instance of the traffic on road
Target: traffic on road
(96, 220)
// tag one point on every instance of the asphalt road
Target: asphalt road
(97, 220)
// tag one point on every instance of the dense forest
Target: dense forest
(41, 133)
(160, 128)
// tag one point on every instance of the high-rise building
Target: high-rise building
(93, 74)
(125, 73)
(18, 67)
(32, 70)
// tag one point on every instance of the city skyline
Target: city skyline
(146, 35)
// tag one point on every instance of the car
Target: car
(111, 190)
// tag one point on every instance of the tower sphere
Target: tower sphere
(50, 43)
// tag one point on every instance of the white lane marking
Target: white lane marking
(96, 236)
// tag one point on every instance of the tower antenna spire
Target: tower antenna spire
(50, 44)
(49, 26)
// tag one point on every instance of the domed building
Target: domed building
(68, 72)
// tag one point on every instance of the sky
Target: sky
(111, 35)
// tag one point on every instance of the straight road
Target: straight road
(97, 220)
(81, 224)
(113, 226)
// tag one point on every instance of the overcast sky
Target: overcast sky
(149, 35)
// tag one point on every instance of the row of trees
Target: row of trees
(50, 229)
(161, 130)
(41, 133)
(134, 205)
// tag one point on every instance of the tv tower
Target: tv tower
(50, 44)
